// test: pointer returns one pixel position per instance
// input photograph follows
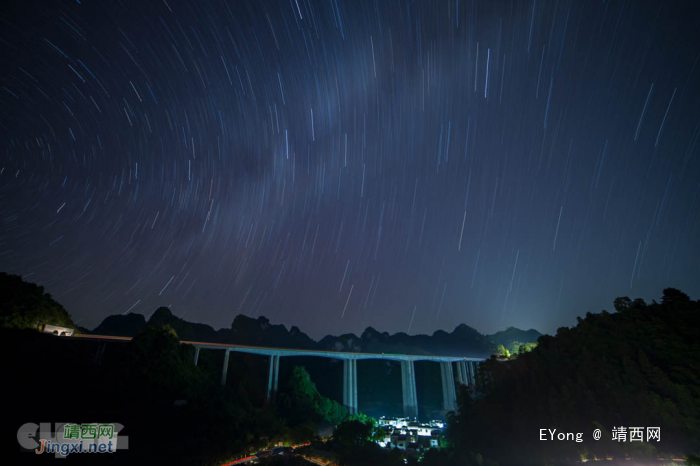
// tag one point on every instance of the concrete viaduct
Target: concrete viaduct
(465, 367)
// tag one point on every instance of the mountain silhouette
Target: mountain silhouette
(511, 334)
(261, 332)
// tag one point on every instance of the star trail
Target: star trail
(406, 165)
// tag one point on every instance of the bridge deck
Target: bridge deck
(267, 351)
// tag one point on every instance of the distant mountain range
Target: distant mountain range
(26, 305)
(260, 332)
(512, 334)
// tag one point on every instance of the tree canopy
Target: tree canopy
(635, 367)
(26, 305)
(301, 401)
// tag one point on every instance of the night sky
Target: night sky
(334, 165)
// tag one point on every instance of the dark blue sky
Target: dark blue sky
(342, 164)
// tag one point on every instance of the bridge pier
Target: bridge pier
(449, 396)
(273, 377)
(466, 369)
(408, 387)
(223, 375)
(460, 374)
(350, 385)
(100, 352)
(354, 389)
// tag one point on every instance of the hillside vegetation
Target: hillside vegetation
(26, 305)
(636, 367)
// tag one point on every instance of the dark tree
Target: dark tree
(26, 305)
